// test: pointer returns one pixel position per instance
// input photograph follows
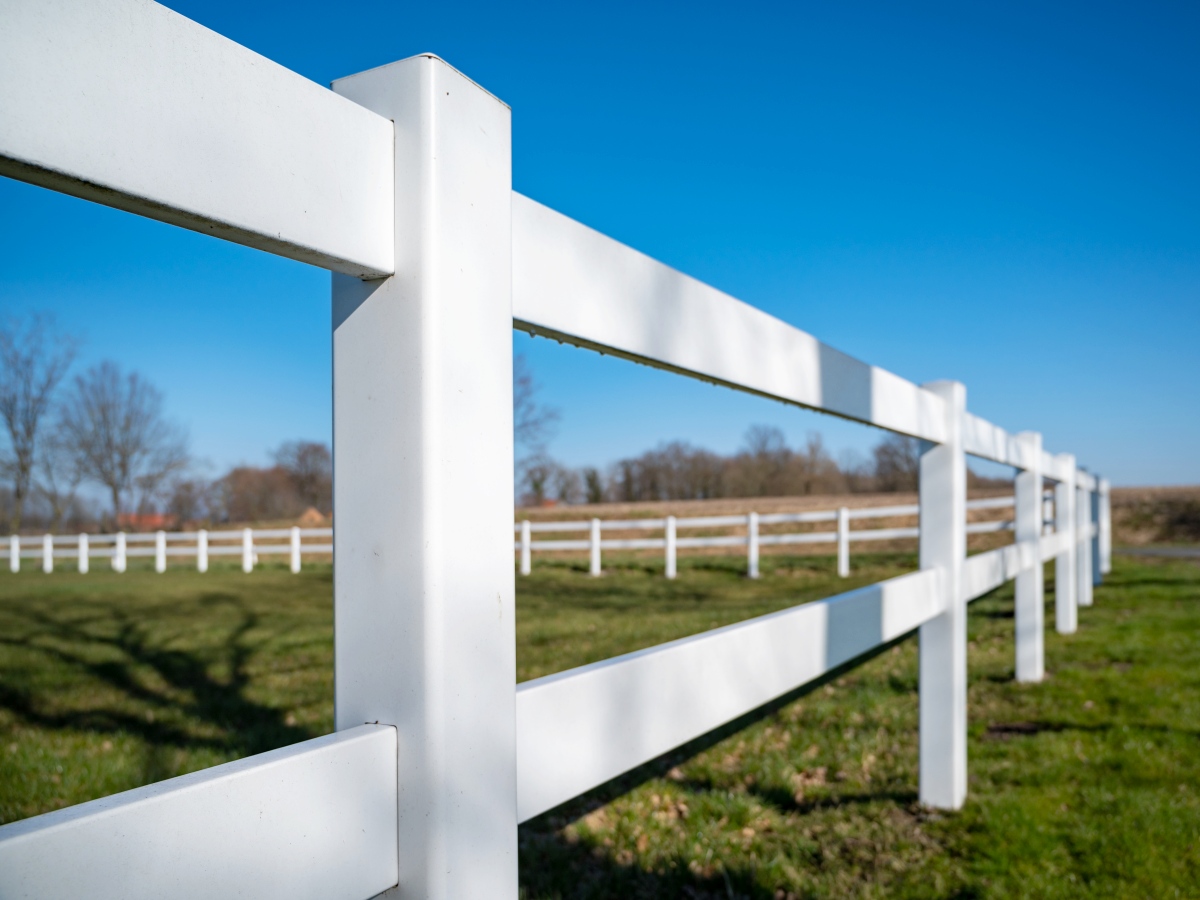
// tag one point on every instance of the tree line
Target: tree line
(105, 429)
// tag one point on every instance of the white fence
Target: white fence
(399, 181)
(670, 543)
(248, 543)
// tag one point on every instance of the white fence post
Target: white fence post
(295, 550)
(752, 545)
(119, 559)
(943, 640)
(1083, 550)
(160, 552)
(843, 542)
(1094, 551)
(594, 548)
(526, 549)
(669, 542)
(422, 411)
(1105, 515)
(1030, 587)
(247, 550)
(202, 551)
(1065, 611)
(83, 554)
(47, 554)
(14, 553)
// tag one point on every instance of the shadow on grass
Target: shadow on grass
(553, 866)
(165, 696)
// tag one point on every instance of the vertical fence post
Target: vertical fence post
(526, 548)
(1030, 588)
(202, 551)
(669, 542)
(119, 559)
(160, 552)
(752, 545)
(247, 550)
(295, 550)
(1105, 515)
(422, 413)
(1094, 551)
(943, 639)
(594, 548)
(1083, 549)
(14, 553)
(47, 554)
(1065, 614)
(83, 554)
(843, 542)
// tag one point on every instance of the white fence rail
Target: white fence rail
(399, 180)
(118, 548)
(752, 540)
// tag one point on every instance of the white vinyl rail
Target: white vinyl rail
(752, 539)
(248, 543)
(398, 180)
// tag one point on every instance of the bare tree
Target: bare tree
(34, 357)
(113, 427)
(897, 463)
(533, 423)
(57, 478)
(310, 466)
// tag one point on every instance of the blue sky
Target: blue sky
(1004, 194)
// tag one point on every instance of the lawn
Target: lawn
(1085, 785)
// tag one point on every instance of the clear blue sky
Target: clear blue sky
(1004, 194)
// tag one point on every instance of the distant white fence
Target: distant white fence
(671, 543)
(399, 181)
(247, 543)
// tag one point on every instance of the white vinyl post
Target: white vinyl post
(843, 542)
(119, 559)
(295, 550)
(160, 552)
(943, 639)
(1065, 610)
(247, 550)
(526, 549)
(1095, 552)
(1083, 552)
(202, 551)
(47, 554)
(14, 553)
(83, 554)
(594, 548)
(422, 422)
(1105, 526)
(752, 545)
(1030, 587)
(669, 542)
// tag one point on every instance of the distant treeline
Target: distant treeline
(764, 467)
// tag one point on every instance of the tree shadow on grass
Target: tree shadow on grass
(554, 865)
(166, 696)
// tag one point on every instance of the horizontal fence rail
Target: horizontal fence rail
(118, 548)
(752, 539)
(407, 168)
(317, 819)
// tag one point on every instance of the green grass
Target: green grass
(1085, 785)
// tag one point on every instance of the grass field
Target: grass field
(1086, 785)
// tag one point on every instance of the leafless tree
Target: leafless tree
(310, 465)
(34, 357)
(113, 427)
(897, 463)
(533, 423)
(57, 478)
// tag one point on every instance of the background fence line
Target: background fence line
(753, 540)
